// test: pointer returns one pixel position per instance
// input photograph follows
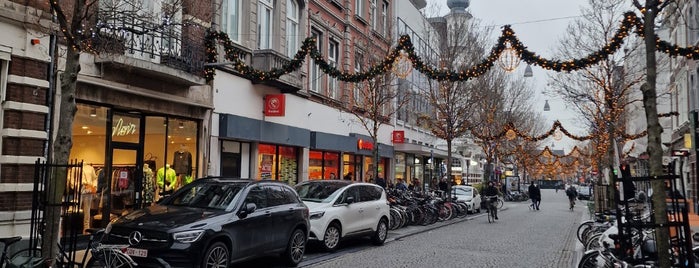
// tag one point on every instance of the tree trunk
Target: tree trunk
(449, 180)
(62, 145)
(654, 130)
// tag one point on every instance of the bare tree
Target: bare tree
(81, 22)
(376, 101)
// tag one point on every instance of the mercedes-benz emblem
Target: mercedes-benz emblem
(135, 237)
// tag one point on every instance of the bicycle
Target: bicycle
(103, 255)
(25, 258)
(492, 208)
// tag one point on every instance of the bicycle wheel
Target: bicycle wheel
(592, 259)
(30, 257)
(500, 203)
(581, 229)
(110, 258)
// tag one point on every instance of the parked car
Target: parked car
(469, 195)
(213, 222)
(340, 209)
(584, 192)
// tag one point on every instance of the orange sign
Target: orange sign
(275, 105)
(365, 145)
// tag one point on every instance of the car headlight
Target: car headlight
(316, 215)
(188, 236)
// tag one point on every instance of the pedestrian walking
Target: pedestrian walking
(535, 195)
(572, 194)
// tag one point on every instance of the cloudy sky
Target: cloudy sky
(539, 24)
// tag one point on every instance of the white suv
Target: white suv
(340, 209)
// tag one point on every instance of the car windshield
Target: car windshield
(463, 191)
(207, 195)
(320, 192)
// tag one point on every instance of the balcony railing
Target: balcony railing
(167, 46)
(267, 59)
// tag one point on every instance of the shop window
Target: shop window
(288, 164)
(278, 163)
(323, 165)
(181, 149)
(348, 167)
(268, 160)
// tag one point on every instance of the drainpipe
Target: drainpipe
(51, 93)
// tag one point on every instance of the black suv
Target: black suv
(213, 222)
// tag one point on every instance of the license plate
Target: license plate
(137, 252)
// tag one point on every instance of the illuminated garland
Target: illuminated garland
(308, 48)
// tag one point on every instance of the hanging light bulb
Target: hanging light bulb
(181, 125)
(93, 112)
(546, 106)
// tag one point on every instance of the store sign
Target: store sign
(365, 145)
(121, 128)
(275, 105)
(398, 136)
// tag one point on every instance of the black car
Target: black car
(213, 222)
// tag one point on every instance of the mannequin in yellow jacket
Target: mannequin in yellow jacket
(167, 180)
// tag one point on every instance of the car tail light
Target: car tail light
(306, 213)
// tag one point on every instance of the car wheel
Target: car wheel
(381, 232)
(331, 238)
(295, 249)
(216, 256)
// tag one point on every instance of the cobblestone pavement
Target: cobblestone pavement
(521, 238)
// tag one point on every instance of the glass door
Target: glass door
(125, 181)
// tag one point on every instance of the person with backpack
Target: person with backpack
(572, 194)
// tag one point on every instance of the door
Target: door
(351, 215)
(125, 180)
(230, 165)
(256, 226)
(371, 197)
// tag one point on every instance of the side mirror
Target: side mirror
(349, 200)
(247, 209)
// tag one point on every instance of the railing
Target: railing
(267, 59)
(168, 46)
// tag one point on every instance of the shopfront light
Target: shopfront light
(181, 125)
(93, 112)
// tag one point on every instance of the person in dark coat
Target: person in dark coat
(380, 181)
(535, 195)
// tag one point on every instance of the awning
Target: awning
(418, 149)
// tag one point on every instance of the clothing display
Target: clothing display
(182, 162)
(166, 179)
(148, 185)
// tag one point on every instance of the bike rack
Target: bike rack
(678, 221)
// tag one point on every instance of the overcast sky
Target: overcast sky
(539, 24)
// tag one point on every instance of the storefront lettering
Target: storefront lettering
(365, 145)
(122, 129)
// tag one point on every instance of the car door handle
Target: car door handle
(268, 214)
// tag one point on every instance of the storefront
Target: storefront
(278, 162)
(365, 160)
(326, 151)
(132, 158)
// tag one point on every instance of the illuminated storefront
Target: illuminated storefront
(131, 158)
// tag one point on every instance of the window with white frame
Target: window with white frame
(333, 60)
(315, 68)
(373, 15)
(359, 8)
(384, 18)
(264, 23)
(358, 62)
(292, 27)
(230, 19)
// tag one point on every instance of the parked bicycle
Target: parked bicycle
(103, 255)
(24, 258)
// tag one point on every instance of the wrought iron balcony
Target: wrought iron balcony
(169, 47)
(267, 59)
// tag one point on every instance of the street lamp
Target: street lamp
(546, 106)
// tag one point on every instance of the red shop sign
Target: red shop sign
(275, 105)
(365, 145)
(398, 136)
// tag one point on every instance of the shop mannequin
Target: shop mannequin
(182, 164)
(89, 188)
(166, 179)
